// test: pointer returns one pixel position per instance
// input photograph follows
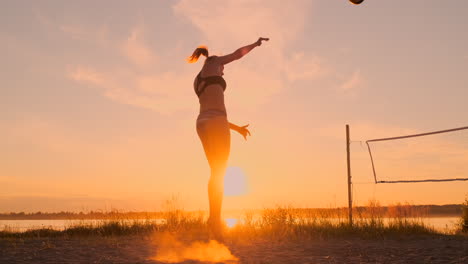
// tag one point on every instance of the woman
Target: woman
(212, 123)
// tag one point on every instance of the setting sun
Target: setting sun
(235, 182)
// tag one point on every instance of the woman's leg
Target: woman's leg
(215, 136)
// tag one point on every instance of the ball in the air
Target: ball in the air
(356, 2)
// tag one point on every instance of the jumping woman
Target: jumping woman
(213, 127)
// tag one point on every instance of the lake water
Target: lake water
(442, 224)
(23, 225)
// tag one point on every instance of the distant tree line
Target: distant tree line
(80, 215)
(373, 208)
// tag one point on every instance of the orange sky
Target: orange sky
(98, 111)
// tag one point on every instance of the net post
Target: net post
(348, 159)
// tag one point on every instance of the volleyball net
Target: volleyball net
(438, 156)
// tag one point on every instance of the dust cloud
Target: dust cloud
(172, 250)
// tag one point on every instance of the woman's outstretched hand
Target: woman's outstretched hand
(240, 129)
(259, 41)
(244, 131)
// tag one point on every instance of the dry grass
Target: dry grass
(373, 220)
(464, 218)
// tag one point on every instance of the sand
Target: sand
(145, 249)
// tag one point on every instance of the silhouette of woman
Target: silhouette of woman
(213, 127)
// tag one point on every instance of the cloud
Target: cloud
(124, 68)
(99, 35)
(354, 81)
(83, 74)
(136, 49)
(231, 21)
(164, 92)
(133, 80)
(305, 67)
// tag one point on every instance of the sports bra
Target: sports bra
(209, 80)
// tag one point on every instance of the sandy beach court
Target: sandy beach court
(139, 249)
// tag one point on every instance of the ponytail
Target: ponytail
(201, 50)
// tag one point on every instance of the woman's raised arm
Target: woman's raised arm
(239, 53)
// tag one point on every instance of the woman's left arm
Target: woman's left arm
(240, 129)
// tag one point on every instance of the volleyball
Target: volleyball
(356, 2)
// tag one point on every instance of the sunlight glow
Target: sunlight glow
(231, 222)
(235, 182)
